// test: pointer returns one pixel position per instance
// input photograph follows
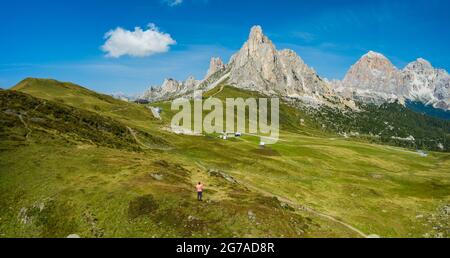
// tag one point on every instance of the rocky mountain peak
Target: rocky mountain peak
(427, 84)
(420, 64)
(376, 79)
(257, 41)
(216, 64)
(257, 35)
(255, 64)
(423, 61)
(171, 88)
(374, 60)
(170, 85)
(372, 54)
(258, 66)
(190, 82)
(373, 71)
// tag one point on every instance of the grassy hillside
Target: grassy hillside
(66, 170)
(310, 184)
(290, 118)
(80, 97)
(389, 123)
(24, 115)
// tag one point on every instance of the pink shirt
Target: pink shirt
(199, 188)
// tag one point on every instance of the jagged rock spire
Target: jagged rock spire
(258, 66)
(257, 38)
(215, 65)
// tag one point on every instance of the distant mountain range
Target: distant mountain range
(260, 67)
(374, 78)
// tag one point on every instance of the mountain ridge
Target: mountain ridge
(259, 66)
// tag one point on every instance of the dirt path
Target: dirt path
(35, 108)
(294, 204)
(119, 109)
(26, 126)
(219, 82)
(220, 90)
(265, 137)
(133, 133)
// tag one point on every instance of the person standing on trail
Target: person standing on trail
(199, 191)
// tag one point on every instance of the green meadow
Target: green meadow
(73, 161)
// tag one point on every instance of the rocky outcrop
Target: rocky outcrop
(215, 66)
(425, 84)
(171, 88)
(259, 66)
(374, 72)
(372, 79)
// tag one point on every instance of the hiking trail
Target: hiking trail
(26, 126)
(302, 207)
(296, 205)
(133, 133)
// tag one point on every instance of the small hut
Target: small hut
(142, 101)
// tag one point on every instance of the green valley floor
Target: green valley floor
(138, 179)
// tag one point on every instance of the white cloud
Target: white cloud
(173, 2)
(137, 43)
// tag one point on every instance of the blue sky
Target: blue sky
(63, 39)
